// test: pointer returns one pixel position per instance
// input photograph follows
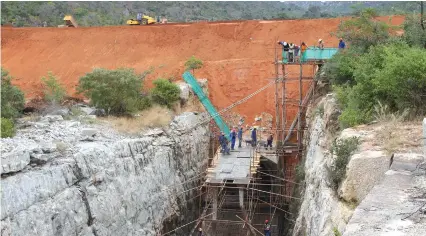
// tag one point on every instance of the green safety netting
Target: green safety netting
(189, 78)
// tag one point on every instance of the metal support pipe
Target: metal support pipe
(241, 196)
(299, 119)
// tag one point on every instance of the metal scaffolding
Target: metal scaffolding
(232, 204)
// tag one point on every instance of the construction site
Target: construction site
(248, 74)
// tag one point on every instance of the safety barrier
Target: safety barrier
(312, 54)
(189, 78)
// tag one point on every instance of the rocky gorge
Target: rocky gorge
(73, 177)
(384, 189)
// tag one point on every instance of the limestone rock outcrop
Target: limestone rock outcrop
(379, 190)
(55, 182)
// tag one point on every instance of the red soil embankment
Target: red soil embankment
(237, 56)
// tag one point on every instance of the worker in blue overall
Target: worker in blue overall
(342, 44)
(224, 144)
(233, 136)
(240, 136)
(253, 137)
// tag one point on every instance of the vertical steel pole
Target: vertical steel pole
(277, 108)
(299, 119)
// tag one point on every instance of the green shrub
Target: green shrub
(341, 151)
(390, 74)
(115, 91)
(54, 92)
(165, 92)
(7, 128)
(145, 103)
(414, 35)
(12, 98)
(193, 63)
(340, 68)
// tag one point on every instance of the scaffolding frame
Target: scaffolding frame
(252, 202)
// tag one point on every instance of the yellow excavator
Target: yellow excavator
(142, 19)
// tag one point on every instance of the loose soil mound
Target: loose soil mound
(238, 55)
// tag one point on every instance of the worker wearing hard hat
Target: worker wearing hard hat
(320, 44)
(286, 48)
(267, 228)
(223, 143)
(342, 44)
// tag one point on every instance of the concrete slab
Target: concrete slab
(235, 166)
(243, 154)
(227, 168)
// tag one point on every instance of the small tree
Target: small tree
(54, 92)
(364, 31)
(193, 63)
(165, 92)
(115, 91)
(12, 98)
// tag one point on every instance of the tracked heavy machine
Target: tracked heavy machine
(142, 19)
(69, 21)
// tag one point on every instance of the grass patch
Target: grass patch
(336, 232)
(156, 116)
(89, 120)
(76, 111)
(7, 128)
(382, 113)
(389, 136)
(32, 117)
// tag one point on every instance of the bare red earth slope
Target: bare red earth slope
(238, 56)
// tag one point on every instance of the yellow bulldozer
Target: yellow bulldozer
(142, 19)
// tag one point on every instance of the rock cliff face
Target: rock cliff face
(379, 189)
(320, 210)
(68, 178)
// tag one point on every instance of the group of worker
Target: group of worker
(233, 137)
(291, 50)
(238, 133)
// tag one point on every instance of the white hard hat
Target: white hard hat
(285, 43)
(319, 40)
